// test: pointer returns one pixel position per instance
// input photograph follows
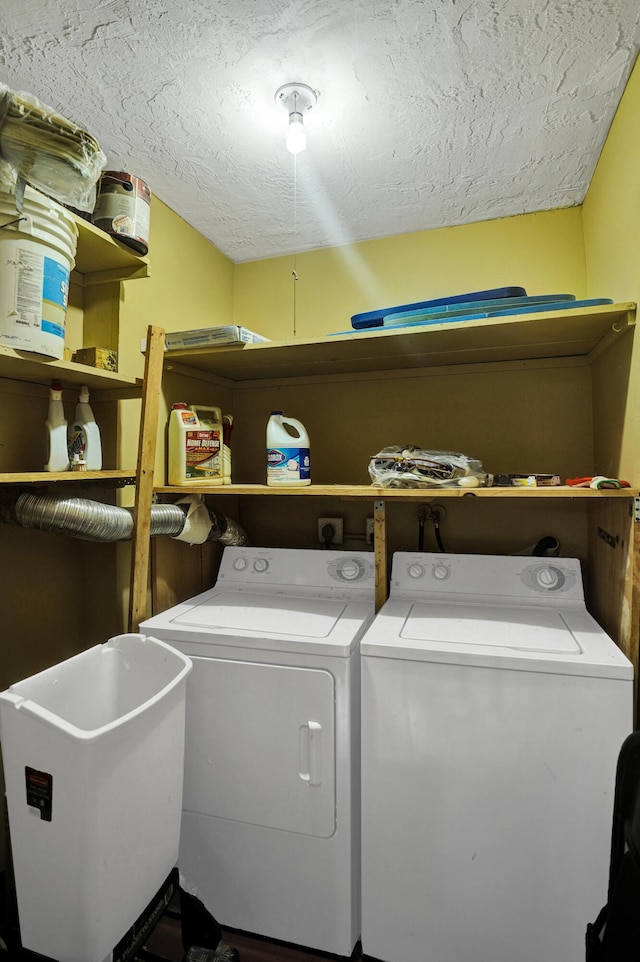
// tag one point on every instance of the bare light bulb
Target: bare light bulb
(296, 134)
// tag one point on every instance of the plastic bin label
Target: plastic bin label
(39, 791)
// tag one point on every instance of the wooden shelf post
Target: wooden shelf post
(380, 553)
(144, 476)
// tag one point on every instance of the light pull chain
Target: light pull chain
(294, 272)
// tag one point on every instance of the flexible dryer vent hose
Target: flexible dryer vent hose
(94, 521)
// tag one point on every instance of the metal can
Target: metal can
(123, 209)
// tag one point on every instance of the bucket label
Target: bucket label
(288, 464)
(29, 288)
(34, 293)
(41, 294)
(203, 454)
(50, 327)
(55, 284)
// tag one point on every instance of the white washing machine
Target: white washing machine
(493, 711)
(270, 837)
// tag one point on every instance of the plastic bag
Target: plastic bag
(408, 466)
(48, 151)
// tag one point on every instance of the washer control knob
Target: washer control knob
(548, 578)
(440, 572)
(240, 564)
(261, 564)
(415, 571)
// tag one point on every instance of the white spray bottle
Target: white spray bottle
(56, 426)
(84, 434)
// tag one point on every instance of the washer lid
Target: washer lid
(270, 614)
(565, 641)
(474, 625)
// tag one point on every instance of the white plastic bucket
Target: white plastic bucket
(37, 255)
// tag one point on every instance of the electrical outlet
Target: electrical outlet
(370, 531)
(338, 530)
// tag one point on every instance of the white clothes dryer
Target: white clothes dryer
(493, 711)
(270, 837)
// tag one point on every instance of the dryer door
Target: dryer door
(260, 745)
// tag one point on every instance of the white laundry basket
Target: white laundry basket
(93, 753)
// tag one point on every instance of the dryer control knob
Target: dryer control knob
(350, 570)
(260, 564)
(415, 571)
(240, 564)
(440, 572)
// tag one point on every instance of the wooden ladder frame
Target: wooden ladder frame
(147, 441)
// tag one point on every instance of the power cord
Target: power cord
(422, 517)
(328, 534)
(434, 514)
(435, 519)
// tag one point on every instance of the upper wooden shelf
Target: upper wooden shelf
(582, 332)
(118, 477)
(100, 258)
(37, 369)
(363, 491)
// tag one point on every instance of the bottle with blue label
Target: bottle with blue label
(288, 454)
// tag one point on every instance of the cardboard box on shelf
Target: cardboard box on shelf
(208, 337)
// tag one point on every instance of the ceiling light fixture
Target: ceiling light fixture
(297, 100)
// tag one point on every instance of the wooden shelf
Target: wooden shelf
(579, 333)
(37, 369)
(368, 492)
(100, 258)
(71, 477)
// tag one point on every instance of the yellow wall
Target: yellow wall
(191, 285)
(587, 251)
(541, 252)
(611, 217)
(611, 209)
(194, 285)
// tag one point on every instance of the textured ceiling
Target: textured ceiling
(431, 112)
